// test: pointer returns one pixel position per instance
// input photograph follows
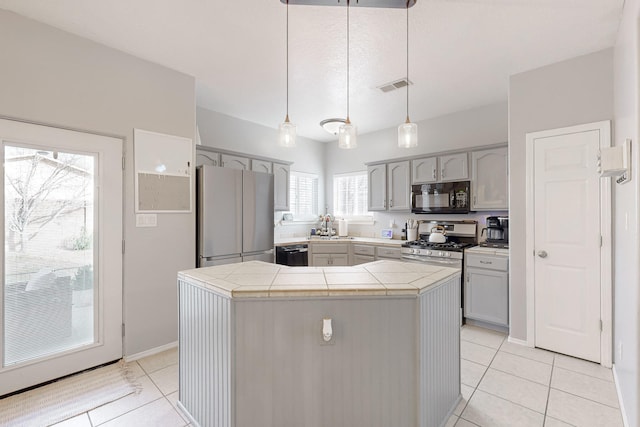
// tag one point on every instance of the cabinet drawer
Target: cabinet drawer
(330, 248)
(361, 259)
(364, 250)
(389, 252)
(488, 262)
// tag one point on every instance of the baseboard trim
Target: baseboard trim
(150, 352)
(518, 341)
(625, 421)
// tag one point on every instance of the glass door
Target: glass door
(61, 298)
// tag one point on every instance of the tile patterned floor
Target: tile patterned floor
(503, 384)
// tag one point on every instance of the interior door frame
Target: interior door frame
(606, 290)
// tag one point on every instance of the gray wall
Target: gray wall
(626, 240)
(54, 77)
(229, 133)
(568, 93)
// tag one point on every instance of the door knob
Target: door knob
(542, 254)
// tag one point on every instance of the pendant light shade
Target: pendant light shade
(407, 131)
(347, 136)
(287, 130)
(287, 133)
(347, 133)
(408, 134)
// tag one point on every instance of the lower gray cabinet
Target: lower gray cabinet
(486, 295)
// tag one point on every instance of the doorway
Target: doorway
(569, 243)
(61, 261)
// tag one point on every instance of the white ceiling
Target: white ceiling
(462, 52)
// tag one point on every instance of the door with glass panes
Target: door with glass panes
(61, 262)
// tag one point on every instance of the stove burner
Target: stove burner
(425, 244)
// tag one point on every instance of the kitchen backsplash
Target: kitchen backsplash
(381, 221)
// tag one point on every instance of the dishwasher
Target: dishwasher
(293, 255)
(486, 287)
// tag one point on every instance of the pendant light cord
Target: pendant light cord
(408, 81)
(348, 59)
(287, 60)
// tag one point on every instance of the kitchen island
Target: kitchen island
(374, 345)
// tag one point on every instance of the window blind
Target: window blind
(303, 189)
(350, 194)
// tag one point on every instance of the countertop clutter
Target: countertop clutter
(366, 240)
(257, 279)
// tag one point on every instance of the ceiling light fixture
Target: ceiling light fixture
(287, 130)
(347, 133)
(407, 131)
(332, 125)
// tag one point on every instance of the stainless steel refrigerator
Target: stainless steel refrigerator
(234, 216)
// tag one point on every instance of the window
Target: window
(350, 194)
(303, 191)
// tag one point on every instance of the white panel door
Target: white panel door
(567, 244)
(61, 270)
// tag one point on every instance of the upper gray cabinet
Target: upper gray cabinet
(489, 181)
(399, 186)
(260, 166)
(389, 186)
(281, 176)
(207, 158)
(424, 170)
(454, 167)
(377, 177)
(234, 162)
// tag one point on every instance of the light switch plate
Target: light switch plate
(146, 220)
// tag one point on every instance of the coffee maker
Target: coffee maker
(497, 231)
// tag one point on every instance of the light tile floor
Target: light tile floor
(503, 384)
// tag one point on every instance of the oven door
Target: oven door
(443, 262)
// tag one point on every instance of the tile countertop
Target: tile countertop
(366, 240)
(257, 279)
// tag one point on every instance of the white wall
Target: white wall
(53, 77)
(567, 93)
(626, 239)
(466, 129)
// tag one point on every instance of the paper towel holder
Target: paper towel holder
(616, 162)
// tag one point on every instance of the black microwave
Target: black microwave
(441, 198)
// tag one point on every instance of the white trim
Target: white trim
(606, 297)
(625, 420)
(150, 352)
(518, 341)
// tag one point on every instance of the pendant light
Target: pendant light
(347, 133)
(287, 130)
(407, 131)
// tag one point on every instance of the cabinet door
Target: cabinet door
(361, 259)
(234, 162)
(489, 179)
(454, 167)
(207, 158)
(377, 177)
(321, 260)
(281, 187)
(424, 170)
(486, 296)
(399, 186)
(339, 260)
(260, 166)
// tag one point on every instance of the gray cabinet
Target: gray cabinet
(454, 167)
(363, 254)
(385, 252)
(489, 179)
(207, 158)
(281, 186)
(261, 166)
(389, 186)
(377, 182)
(329, 254)
(234, 162)
(425, 170)
(486, 290)
(399, 186)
